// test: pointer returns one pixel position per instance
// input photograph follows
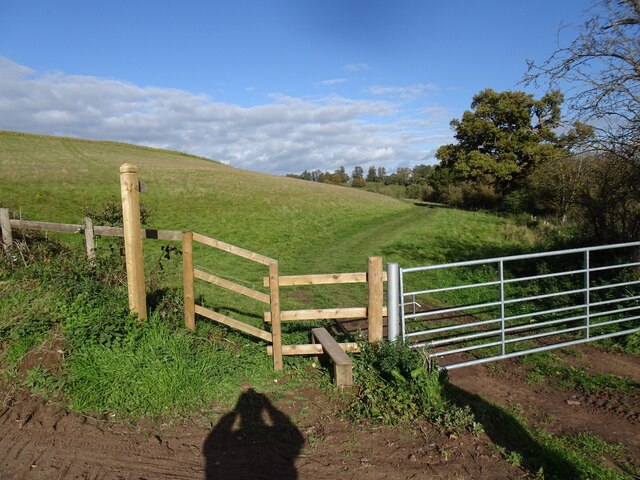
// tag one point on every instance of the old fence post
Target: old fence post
(89, 238)
(5, 225)
(187, 279)
(374, 310)
(276, 329)
(129, 189)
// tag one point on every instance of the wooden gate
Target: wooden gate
(273, 298)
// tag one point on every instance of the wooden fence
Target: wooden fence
(374, 277)
(373, 312)
(89, 230)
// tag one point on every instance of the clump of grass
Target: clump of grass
(395, 387)
(548, 366)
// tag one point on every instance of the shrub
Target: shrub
(396, 387)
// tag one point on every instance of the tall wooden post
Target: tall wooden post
(5, 226)
(187, 280)
(276, 329)
(374, 310)
(130, 191)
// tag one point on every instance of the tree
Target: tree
(602, 67)
(358, 172)
(503, 138)
(372, 177)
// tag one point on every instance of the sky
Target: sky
(275, 86)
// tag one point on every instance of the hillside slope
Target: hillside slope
(59, 179)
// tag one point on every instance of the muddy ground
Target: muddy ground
(303, 434)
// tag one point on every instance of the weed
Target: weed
(396, 387)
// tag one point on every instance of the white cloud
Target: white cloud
(286, 134)
(406, 92)
(356, 67)
(334, 81)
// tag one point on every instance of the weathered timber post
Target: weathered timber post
(5, 225)
(276, 329)
(129, 189)
(89, 238)
(187, 278)
(374, 310)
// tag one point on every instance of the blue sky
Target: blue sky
(274, 86)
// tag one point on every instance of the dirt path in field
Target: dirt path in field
(303, 434)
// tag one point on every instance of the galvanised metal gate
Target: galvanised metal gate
(483, 310)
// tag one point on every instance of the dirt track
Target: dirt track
(303, 435)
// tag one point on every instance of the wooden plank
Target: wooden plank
(187, 280)
(276, 327)
(343, 369)
(148, 233)
(46, 226)
(5, 227)
(234, 287)
(330, 346)
(374, 309)
(322, 279)
(313, 349)
(233, 323)
(227, 247)
(320, 314)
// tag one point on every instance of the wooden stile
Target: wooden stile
(343, 368)
(187, 278)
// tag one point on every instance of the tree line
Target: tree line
(517, 153)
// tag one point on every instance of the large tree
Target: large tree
(601, 69)
(503, 137)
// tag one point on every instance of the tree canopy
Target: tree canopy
(602, 68)
(503, 137)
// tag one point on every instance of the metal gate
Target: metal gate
(515, 305)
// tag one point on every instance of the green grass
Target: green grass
(547, 367)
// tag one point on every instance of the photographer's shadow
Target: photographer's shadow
(254, 440)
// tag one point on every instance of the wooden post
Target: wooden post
(89, 238)
(187, 278)
(129, 189)
(374, 310)
(5, 225)
(276, 331)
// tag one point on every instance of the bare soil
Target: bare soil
(304, 434)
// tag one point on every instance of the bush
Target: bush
(396, 387)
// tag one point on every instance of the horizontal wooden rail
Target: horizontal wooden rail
(322, 313)
(227, 247)
(313, 349)
(149, 233)
(322, 279)
(231, 322)
(234, 287)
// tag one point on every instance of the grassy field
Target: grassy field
(59, 303)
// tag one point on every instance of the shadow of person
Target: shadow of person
(254, 440)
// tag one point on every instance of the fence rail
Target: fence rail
(516, 312)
